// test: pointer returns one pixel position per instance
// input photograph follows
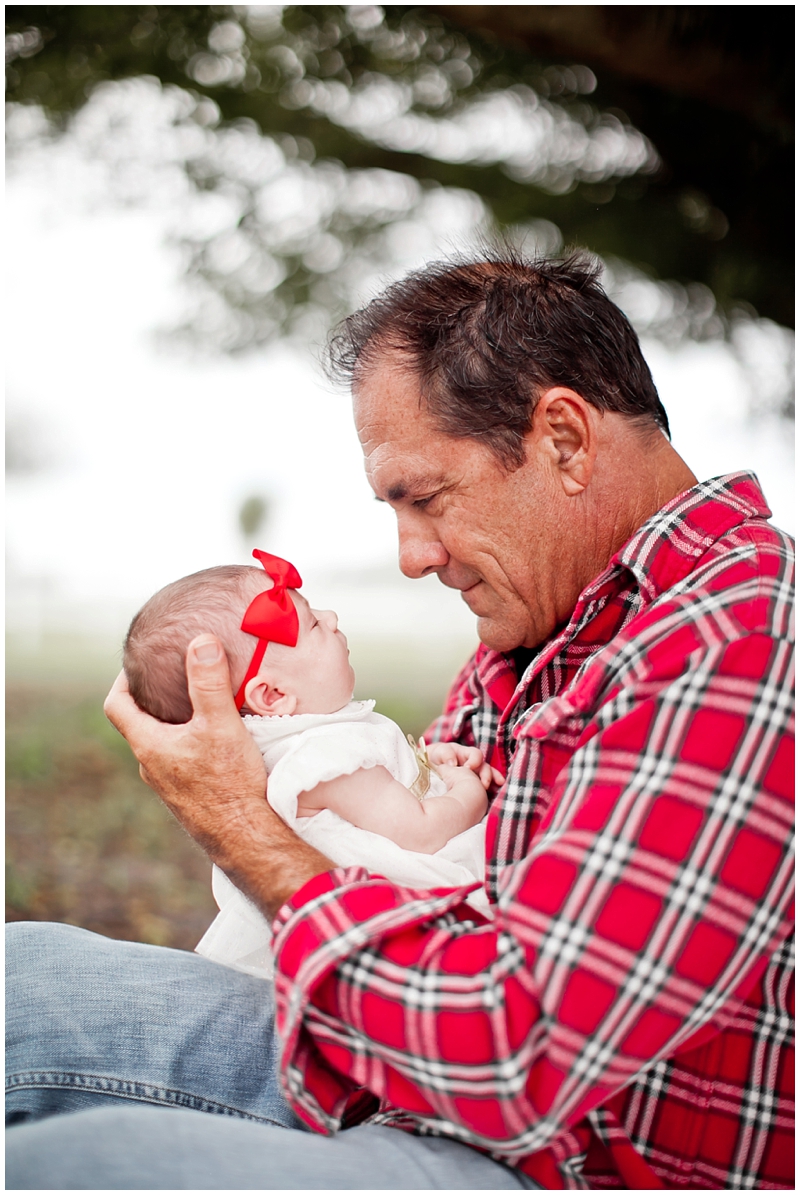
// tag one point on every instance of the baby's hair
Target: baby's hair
(154, 652)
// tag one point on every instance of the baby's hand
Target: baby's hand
(457, 755)
(465, 786)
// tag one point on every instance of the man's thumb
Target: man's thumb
(208, 677)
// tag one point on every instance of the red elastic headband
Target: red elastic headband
(271, 616)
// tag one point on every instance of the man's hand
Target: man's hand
(456, 755)
(211, 776)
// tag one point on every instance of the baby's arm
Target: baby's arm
(373, 800)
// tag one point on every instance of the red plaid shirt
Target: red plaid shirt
(624, 1020)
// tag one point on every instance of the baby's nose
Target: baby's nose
(330, 619)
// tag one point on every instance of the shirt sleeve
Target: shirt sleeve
(646, 906)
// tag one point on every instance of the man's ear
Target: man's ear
(268, 700)
(564, 426)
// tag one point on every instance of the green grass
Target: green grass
(87, 842)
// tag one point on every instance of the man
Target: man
(623, 1019)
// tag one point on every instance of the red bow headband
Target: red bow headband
(271, 616)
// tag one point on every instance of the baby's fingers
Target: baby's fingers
(449, 773)
(472, 757)
(489, 775)
(465, 757)
(442, 753)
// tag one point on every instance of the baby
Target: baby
(343, 777)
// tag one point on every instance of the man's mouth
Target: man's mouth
(456, 584)
(470, 592)
(466, 590)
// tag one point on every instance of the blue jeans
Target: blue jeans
(139, 1045)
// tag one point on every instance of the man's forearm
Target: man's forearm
(264, 858)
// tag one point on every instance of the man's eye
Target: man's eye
(421, 503)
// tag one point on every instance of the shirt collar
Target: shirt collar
(659, 555)
(667, 547)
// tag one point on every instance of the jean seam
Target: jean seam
(128, 1089)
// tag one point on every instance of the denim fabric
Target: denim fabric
(90, 1021)
(129, 1149)
(140, 1044)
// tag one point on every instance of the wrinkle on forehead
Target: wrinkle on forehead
(383, 423)
(388, 391)
(405, 453)
(387, 433)
(395, 473)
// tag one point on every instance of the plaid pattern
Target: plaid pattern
(625, 1019)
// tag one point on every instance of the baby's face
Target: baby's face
(317, 670)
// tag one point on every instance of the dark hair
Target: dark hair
(154, 652)
(489, 336)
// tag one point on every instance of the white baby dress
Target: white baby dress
(301, 751)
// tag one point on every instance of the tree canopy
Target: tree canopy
(660, 136)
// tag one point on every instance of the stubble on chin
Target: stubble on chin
(504, 622)
(505, 627)
(497, 635)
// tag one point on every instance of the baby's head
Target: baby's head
(313, 677)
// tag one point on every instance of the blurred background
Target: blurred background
(194, 195)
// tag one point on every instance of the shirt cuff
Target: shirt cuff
(317, 886)
(332, 917)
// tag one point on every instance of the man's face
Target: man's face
(496, 536)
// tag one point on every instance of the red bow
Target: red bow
(271, 616)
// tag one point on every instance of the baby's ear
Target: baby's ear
(265, 699)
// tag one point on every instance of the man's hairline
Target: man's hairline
(384, 350)
(380, 347)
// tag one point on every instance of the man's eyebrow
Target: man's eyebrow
(421, 485)
(396, 494)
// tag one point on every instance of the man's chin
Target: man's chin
(496, 636)
(500, 628)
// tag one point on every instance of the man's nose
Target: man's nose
(420, 550)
